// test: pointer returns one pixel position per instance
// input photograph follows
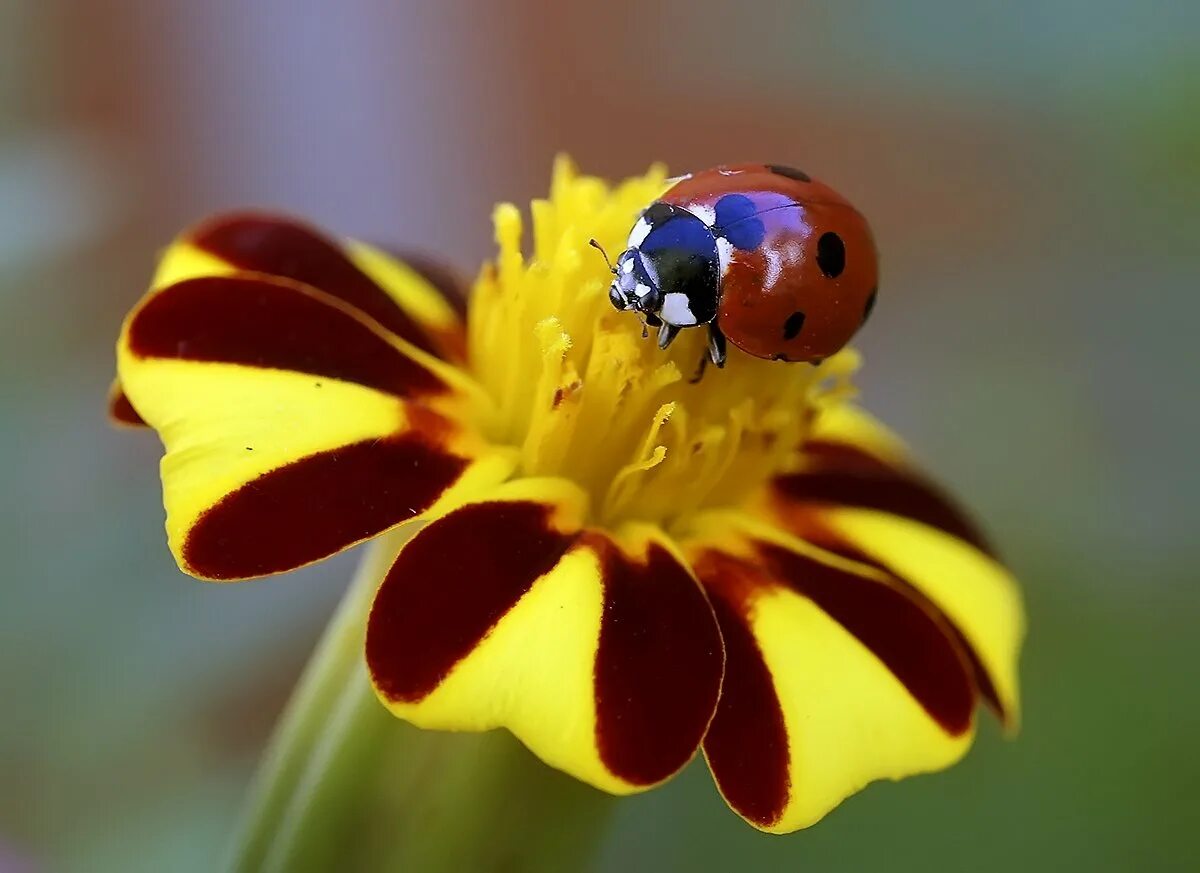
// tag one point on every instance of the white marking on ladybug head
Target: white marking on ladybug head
(724, 254)
(625, 280)
(677, 310)
(639, 233)
(707, 214)
(642, 290)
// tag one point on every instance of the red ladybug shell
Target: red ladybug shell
(799, 268)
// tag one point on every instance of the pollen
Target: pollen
(584, 394)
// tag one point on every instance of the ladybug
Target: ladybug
(776, 261)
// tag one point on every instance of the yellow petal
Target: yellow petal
(416, 301)
(294, 426)
(835, 677)
(120, 409)
(429, 294)
(396, 296)
(599, 652)
(857, 494)
(975, 592)
(848, 424)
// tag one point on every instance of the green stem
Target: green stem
(307, 720)
(346, 786)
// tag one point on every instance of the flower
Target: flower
(617, 564)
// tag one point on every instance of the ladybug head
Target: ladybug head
(670, 269)
(632, 286)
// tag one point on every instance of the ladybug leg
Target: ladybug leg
(667, 334)
(715, 352)
(716, 344)
(650, 320)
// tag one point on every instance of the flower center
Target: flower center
(584, 395)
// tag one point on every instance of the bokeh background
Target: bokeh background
(1032, 171)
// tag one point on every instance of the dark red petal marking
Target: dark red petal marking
(831, 541)
(450, 586)
(282, 247)
(746, 744)
(262, 322)
(894, 627)
(318, 505)
(658, 665)
(121, 410)
(856, 479)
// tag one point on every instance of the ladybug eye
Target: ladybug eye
(831, 254)
(793, 325)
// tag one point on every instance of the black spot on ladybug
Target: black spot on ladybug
(789, 172)
(793, 325)
(831, 254)
(870, 305)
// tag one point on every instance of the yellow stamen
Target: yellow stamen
(586, 396)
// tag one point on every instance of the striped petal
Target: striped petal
(394, 294)
(598, 651)
(857, 495)
(409, 295)
(294, 425)
(120, 408)
(835, 676)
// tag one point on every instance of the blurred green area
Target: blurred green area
(1033, 173)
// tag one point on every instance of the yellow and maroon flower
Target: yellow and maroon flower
(617, 565)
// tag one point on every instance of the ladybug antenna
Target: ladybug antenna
(592, 242)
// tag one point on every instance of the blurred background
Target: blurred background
(1032, 172)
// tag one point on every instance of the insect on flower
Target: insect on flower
(781, 265)
(619, 566)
